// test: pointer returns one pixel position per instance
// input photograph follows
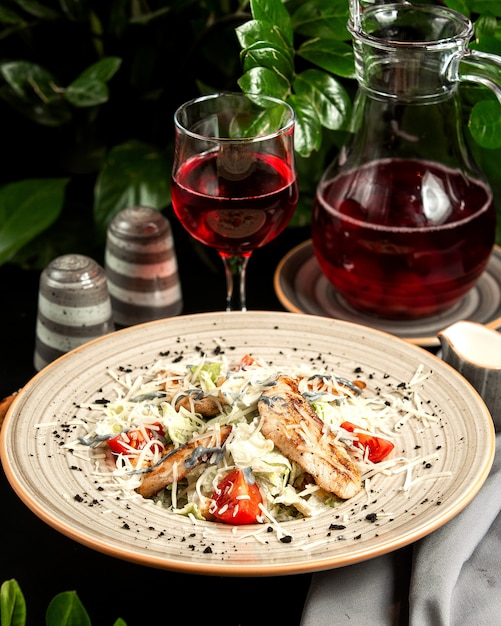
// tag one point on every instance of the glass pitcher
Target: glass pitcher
(404, 223)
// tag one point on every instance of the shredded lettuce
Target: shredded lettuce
(207, 375)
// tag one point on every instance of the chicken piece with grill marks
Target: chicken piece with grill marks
(290, 422)
(178, 462)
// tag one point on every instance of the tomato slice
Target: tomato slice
(246, 361)
(134, 438)
(236, 499)
(379, 448)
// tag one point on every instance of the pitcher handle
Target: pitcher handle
(479, 67)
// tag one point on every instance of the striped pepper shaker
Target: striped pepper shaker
(74, 307)
(141, 267)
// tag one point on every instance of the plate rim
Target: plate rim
(425, 341)
(318, 563)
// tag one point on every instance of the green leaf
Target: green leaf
(255, 31)
(12, 604)
(326, 95)
(261, 80)
(462, 6)
(134, 174)
(308, 130)
(486, 6)
(273, 11)
(27, 208)
(90, 88)
(491, 45)
(265, 121)
(54, 113)
(35, 92)
(322, 18)
(103, 70)
(485, 124)
(26, 78)
(485, 26)
(87, 93)
(329, 54)
(263, 54)
(65, 609)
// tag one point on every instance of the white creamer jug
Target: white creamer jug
(475, 352)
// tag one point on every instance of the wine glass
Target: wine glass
(234, 182)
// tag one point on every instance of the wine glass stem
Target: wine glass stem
(235, 269)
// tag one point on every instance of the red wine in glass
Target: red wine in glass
(233, 179)
(402, 239)
(234, 216)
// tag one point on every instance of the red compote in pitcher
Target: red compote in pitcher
(404, 223)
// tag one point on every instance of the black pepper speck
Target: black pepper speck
(337, 527)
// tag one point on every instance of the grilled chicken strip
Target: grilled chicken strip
(296, 430)
(177, 463)
(199, 402)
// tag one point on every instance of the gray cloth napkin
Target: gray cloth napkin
(449, 578)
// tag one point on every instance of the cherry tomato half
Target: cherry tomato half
(379, 448)
(236, 499)
(134, 438)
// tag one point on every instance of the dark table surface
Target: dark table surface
(44, 562)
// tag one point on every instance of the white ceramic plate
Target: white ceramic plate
(60, 488)
(301, 287)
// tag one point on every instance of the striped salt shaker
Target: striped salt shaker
(74, 307)
(141, 266)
